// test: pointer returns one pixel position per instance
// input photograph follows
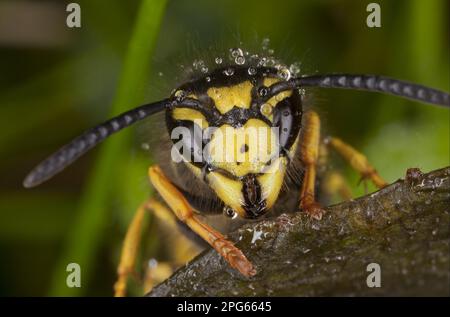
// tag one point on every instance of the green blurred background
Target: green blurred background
(55, 82)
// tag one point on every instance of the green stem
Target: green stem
(89, 224)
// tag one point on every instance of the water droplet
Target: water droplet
(257, 235)
(265, 43)
(295, 68)
(152, 263)
(240, 60)
(200, 65)
(208, 79)
(180, 95)
(218, 60)
(145, 146)
(286, 113)
(254, 57)
(270, 61)
(229, 71)
(236, 52)
(251, 71)
(284, 73)
(229, 212)
(262, 61)
(266, 109)
(270, 51)
(262, 91)
(160, 74)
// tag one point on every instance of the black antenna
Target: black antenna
(80, 145)
(70, 152)
(372, 83)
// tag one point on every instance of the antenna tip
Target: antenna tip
(29, 181)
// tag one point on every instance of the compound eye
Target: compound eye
(283, 118)
(190, 142)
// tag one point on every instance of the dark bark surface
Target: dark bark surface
(404, 228)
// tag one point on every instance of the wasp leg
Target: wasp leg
(357, 161)
(336, 183)
(129, 250)
(179, 205)
(157, 273)
(183, 250)
(309, 155)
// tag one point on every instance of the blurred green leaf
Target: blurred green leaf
(86, 233)
(20, 222)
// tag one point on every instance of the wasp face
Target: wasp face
(241, 141)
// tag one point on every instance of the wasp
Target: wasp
(223, 104)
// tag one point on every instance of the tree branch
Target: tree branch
(403, 227)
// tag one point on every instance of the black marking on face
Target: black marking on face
(244, 148)
(192, 143)
(287, 116)
(254, 206)
(287, 113)
(218, 78)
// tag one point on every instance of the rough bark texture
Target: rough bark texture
(403, 227)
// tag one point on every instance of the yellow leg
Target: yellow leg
(336, 183)
(129, 250)
(182, 248)
(156, 273)
(310, 153)
(357, 160)
(183, 211)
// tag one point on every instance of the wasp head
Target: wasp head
(235, 137)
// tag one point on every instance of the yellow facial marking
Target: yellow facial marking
(225, 98)
(192, 96)
(228, 190)
(243, 150)
(190, 115)
(196, 170)
(272, 180)
(272, 102)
